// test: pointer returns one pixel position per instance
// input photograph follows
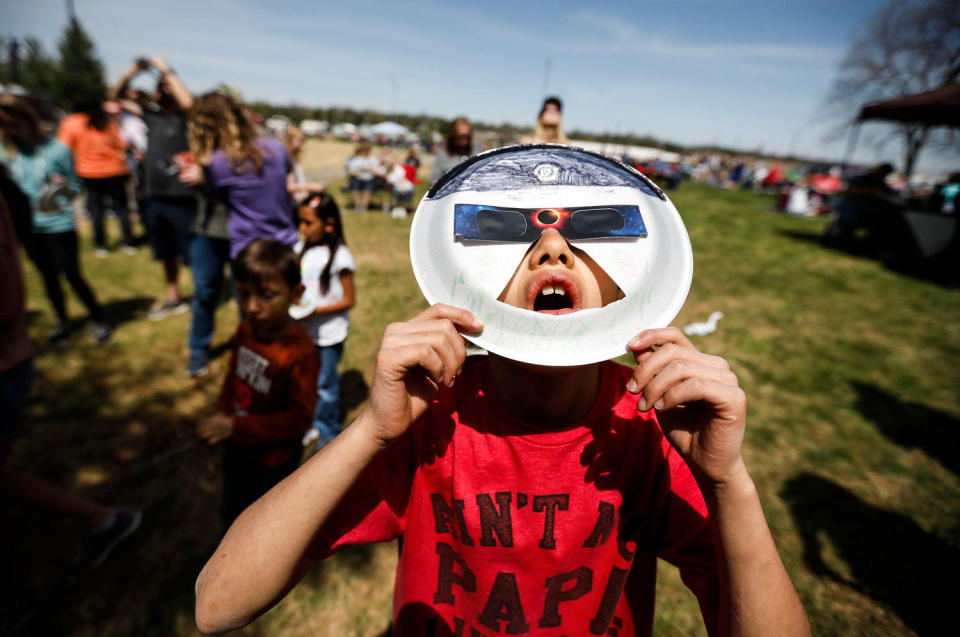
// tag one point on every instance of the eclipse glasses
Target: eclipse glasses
(493, 223)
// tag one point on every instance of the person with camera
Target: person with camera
(170, 196)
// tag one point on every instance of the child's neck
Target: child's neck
(546, 397)
(273, 331)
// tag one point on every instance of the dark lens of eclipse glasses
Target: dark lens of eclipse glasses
(492, 223)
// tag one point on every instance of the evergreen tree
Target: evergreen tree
(80, 77)
(38, 71)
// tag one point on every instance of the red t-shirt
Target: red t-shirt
(509, 529)
(271, 389)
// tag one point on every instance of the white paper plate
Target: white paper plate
(654, 272)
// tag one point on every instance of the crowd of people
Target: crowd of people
(387, 173)
(219, 197)
(216, 196)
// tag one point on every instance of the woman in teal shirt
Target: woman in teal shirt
(38, 164)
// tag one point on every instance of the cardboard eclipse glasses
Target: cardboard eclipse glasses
(493, 223)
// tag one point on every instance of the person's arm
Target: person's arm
(177, 88)
(702, 411)
(308, 186)
(61, 164)
(263, 555)
(349, 296)
(119, 88)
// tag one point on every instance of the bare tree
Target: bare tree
(905, 48)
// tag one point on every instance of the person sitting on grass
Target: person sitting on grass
(532, 489)
(270, 390)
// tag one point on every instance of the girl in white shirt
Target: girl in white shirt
(326, 270)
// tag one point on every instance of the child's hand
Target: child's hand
(216, 428)
(699, 403)
(415, 358)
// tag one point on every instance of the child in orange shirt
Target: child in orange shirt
(269, 394)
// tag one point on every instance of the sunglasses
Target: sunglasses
(492, 223)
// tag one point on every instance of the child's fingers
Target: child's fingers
(443, 339)
(658, 337)
(421, 355)
(460, 317)
(431, 351)
(726, 399)
(679, 371)
(428, 330)
(651, 362)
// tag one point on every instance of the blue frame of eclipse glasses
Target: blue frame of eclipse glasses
(493, 223)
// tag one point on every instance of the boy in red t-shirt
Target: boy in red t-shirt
(269, 394)
(529, 498)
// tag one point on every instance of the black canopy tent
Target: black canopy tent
(924, 235)
(939, 107)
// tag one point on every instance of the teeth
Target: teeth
(549, 289)
(559, 290)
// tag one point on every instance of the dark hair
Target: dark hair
(553, 99)
(96, 117)
(325, 207)
(265, 259)
(19, 108)
(453, 147)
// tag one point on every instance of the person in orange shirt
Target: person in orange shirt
(99, 155)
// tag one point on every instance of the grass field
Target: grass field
(851, 371)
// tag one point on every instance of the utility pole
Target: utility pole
(14, 61)
(546, 80)
(70, 13)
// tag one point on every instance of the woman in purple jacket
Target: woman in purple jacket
(246, 172)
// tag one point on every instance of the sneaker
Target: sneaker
(310, 437)
(128, 249)
(102, 253)
(99, 543)
(167, 308)
(102, 333)
(59, 334)
(197, 363)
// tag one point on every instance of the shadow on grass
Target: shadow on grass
(912, 425)
(86, 432)
(940, 269)
(84, 436)
(889, 557)
(118, 312)
(353, 390)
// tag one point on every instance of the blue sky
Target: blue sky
(741, 73)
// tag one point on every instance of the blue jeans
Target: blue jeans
(207, 258)
(326, 417)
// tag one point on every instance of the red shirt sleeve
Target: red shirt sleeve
(225, 401)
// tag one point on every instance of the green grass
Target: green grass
(851, 372)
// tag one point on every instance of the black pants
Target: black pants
(54, 253)
(116, 189)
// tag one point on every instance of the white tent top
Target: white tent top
(389, 129)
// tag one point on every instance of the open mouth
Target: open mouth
(553, 292)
